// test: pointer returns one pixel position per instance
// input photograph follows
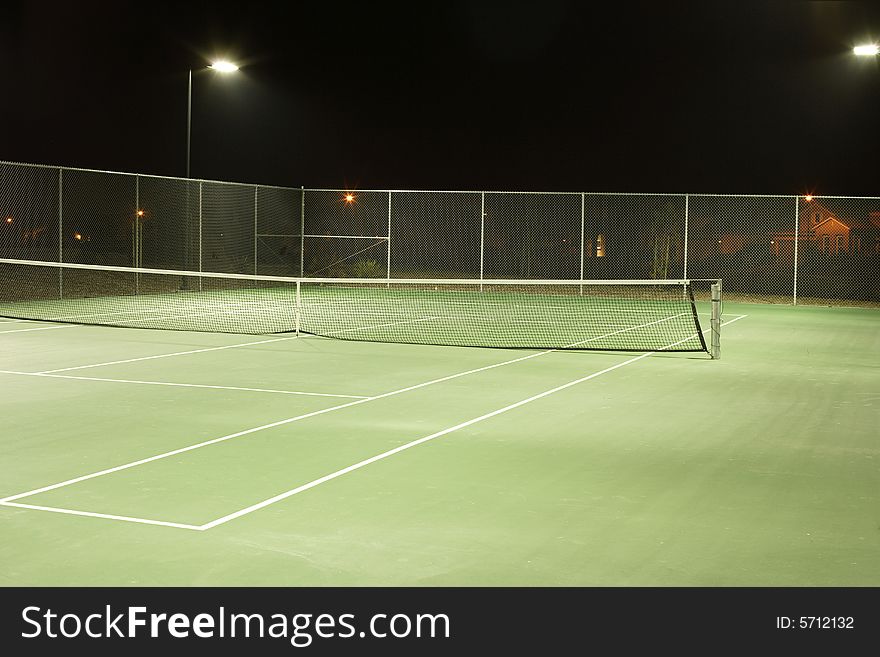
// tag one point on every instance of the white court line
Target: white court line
(176, 353)
(7, 500)
(238, 434)
(42, 328)
(182, 385)
(143, 521)
(438, 434)
(271, 425)
(413, 443)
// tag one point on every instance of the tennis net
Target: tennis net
(555, 314)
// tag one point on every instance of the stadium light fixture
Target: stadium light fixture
(223, 66)
(220, 66)
(867, 50)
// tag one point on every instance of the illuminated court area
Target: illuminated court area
(137, 456)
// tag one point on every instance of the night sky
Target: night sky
(713, 97)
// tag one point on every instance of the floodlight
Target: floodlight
(223, 66)
(868, 50)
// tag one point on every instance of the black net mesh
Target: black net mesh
(167, 221)
(633, 236)
(531, 235)
(29, 213)
(626, 316)
(776, 249)
(278, 231)
(138, 299)
(521, 314)
(228, 220)
(746, 243)
(98, 211)
(346, 234)
(435, 235)
(838, 251)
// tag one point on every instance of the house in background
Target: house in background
(825, 232)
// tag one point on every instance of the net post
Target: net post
(715, 324)
(298, 311)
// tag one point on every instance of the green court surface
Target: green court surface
(150, 457)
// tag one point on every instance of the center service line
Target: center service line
(419, 441)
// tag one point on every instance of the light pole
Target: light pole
(221, 66)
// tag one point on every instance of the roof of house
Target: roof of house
(871, 220)
(852, 223)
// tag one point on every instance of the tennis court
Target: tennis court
(136, 456)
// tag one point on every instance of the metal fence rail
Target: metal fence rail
(766, 248)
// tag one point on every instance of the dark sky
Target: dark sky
(740, 97)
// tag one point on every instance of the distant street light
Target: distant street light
(869, 50)
(221, 66)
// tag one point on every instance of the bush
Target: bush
(367, 269)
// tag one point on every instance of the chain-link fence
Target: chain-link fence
(778, 249)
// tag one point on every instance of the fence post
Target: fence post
(583, 201)
(60, 232)
(797, 200)
(256, 211)
(298, 307)
(482, 233)
(686, 212)
(302, 231)
(200, 234)
(136, 242)
(388, 242)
